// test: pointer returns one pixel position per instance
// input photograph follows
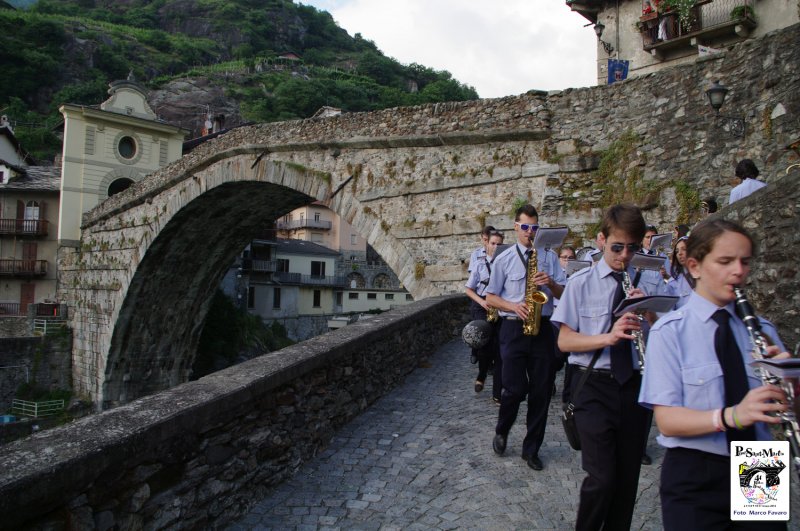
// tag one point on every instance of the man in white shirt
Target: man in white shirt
(746, 170)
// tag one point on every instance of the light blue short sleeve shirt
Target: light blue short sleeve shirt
(683, 370)
(479, 276)
(585, 307)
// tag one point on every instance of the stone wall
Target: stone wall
(196, 456)
(45, 361)
(771, 215)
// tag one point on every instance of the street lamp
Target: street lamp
(598, 30)
(716, 94)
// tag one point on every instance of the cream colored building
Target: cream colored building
(652, 38)
(28, 244)
(108, 148)
(319, 224)
(28, 227)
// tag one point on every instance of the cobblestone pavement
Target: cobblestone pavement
(421, 458)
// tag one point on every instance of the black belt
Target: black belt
(602, 372)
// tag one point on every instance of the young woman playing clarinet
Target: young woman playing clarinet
(701, 388)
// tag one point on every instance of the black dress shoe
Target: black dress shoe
(533, 461)
(499, 444)
(646, 459)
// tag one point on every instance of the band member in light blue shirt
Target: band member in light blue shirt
(701, 387)
(681, 284)
(528, 361)
(611, 424)
(476, 290)
(479, 254)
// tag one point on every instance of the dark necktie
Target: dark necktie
(621, 362)
(733, 371)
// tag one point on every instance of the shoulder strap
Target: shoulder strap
(584, 377)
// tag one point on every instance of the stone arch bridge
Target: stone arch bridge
(418, 183)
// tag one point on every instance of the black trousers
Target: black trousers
(528, 371)
(695, 493)
(490, 354)
(612, 428)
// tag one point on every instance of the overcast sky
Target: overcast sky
(501, 48)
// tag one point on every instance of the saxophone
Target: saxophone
(789, 423)
(492, 315)
(638, 336)
(534, 299)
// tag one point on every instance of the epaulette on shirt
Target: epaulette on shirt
(674, 315)
(577, 274)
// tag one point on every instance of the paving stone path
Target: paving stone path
(421, 458)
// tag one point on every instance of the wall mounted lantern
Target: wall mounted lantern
(598, 30)
(716, 98)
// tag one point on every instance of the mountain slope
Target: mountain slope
(198, 56)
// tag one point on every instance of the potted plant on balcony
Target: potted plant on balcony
(742, 12)
(683, 9)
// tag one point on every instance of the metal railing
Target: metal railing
(10, 308)
(706, 15)
(303, 223)
(259, 266)
(35, 227)
(13, 266)
(314, 280)
(48, 408)
(48, 326)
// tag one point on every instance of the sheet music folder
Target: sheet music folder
(651, 303)
(661, 241)
(785, 368)
(550, 237)
(576, 265)
(649, 262)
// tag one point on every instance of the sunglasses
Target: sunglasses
(526, 227)
(567, 257)
(618, 247)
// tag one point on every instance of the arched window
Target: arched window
(381, 281)
(356, 280)
(119, 185)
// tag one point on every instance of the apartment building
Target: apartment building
(655, 34)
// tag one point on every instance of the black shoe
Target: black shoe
(499, 444)
(646, 459)
(533, 461)
(473, 359)
(496, 401)
(478, 386)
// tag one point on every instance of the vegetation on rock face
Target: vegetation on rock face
(231, 335)
(67, 51)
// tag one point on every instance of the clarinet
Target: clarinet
(638, 336)
(789, 424)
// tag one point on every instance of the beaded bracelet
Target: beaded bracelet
(727, 427)
(736, 421)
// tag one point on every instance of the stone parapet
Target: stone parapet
(197, 455)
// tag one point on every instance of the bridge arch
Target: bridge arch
(142, 279)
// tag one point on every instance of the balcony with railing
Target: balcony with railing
(23, 268)
(304, 224)
(706, 22)
(24, 227)
(309, 280)
(251, 265)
